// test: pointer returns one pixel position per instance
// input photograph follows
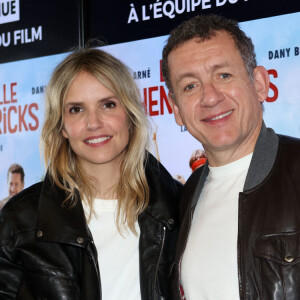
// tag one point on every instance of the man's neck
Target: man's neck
(224, 156)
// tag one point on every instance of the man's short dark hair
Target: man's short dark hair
(16, 168)
(205, 27)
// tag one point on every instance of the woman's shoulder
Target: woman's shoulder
(155, 170)
(164, 195)
(162, 185)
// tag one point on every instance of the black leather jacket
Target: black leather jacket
(47, 252)
(268, 223)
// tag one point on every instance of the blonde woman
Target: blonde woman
(103, 223)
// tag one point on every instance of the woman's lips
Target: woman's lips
(97, 140)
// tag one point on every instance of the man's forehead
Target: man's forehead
(222, 38)
(185, 61)
(14, 176)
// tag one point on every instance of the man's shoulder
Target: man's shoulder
(290, 146)
(289, 150)
(3, 202)
(289, 140)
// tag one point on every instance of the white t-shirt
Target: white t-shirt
(118, 255)
(209, 265)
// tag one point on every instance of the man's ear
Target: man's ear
(175, 108)
(261, 82)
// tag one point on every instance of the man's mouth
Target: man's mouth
(219, 116)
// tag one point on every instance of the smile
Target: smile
(98, 140)
(220, 116)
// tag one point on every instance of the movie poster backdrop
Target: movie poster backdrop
(31, 33)
(22, 87)
(277, 48)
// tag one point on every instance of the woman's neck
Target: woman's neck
(105, 178)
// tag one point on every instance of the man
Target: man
(15, 182)
(240, 213)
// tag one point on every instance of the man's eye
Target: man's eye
(225, 75)
(109, 104)
(190, 87)
(75, 109)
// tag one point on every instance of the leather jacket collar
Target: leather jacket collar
(263, 158)
(68, 225)
(163, 194)
(60, 224)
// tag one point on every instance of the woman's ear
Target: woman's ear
(261, 82)
(64, 133)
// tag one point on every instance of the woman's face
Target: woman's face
(95, 123)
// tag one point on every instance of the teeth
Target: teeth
(221, 116)
(99, 140)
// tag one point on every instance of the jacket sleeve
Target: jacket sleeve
(10, 272)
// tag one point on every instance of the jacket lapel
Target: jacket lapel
(60, 224)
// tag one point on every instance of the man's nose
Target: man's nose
(14, 188)
(211, 95)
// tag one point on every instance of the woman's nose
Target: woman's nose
(94, 120)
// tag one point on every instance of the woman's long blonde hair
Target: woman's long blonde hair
(131, 190)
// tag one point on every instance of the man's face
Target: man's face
(15, 185)
(215, 98)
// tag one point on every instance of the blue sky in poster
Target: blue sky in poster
(283, 35)
(174, 144)
(23, 146)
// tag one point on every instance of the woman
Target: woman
(103, 193)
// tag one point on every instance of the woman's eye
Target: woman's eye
(109, 104)
(75, 109)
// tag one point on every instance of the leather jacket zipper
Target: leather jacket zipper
(181, 254)
(159, 257)
(96, 267)
(239, 246)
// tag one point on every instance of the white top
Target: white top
(209, 265)
(118, 255)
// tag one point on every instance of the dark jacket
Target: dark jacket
(268, 223)
(47, 252)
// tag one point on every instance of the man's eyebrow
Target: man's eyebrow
(193, 74)
(219, 66)
(185, 75)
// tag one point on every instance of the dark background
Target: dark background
(108, 19)
(70, 23)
